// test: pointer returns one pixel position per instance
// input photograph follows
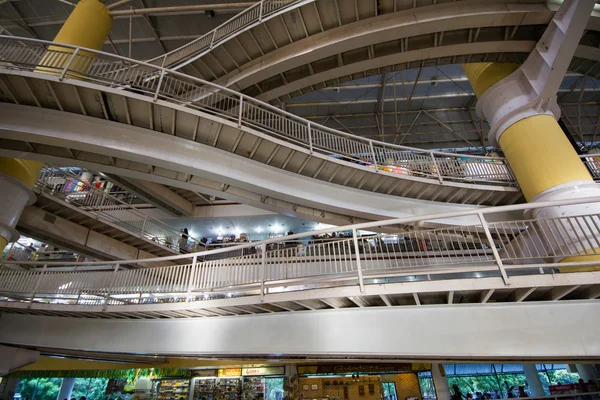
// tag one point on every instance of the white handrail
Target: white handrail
(96, 201)
(161, 83)
(247, 19)
(367, 226)
(484, 248)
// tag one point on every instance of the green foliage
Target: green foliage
(40, 388)
(492, 383)
(49, 388)
(427, 387)
(273, 387)
(91, 388)
(557, 376)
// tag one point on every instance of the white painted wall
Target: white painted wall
(523, 331)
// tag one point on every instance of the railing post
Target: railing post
(373, 155)
(212, 40)
(310, 142)
(37, 284)
(260, 12)
(358, 266)
(488, 234)
(437, 169)
(162, 74)
(68, 65)
(144, 224)
(113, 279)
(8, 252)
(262, 271)
(241, 111)
(191, 279)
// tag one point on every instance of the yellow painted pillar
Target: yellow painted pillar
(87, 26)
(536, 148)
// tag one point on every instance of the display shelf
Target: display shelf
(231, 386)
(173, 389)
(258, 383)
(203, 389)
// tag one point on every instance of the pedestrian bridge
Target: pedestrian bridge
(135, 94)
(504, 261)
(276, 50)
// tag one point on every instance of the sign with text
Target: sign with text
(204, 373)
(225, 372)
(263, 371)
(364, 368)
(563, 389)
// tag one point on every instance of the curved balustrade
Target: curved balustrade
(106, 207)
(303, 262)
(258, 13)
(193, 93)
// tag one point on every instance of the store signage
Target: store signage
(364, 368)
(263, 371)
(223, 372)
(204, 373)
(563, 389)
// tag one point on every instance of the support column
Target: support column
(66, 388)
(543, 161)
(87, 26)
(520, 105)
(440, 382)
(10, 388)
(587, 372)
(533, 380)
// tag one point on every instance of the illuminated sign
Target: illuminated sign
(263, 371)
(225, 372)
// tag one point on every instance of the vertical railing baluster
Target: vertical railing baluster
(262, 271)
(490, 239)
(68, 64)
(358, 266)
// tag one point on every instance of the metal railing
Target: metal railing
(592, 162)
(62, 184)
(259, 12)
(303, 261)
(195, 94)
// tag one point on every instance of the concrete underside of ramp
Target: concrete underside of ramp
(138, 145)
(526, 331)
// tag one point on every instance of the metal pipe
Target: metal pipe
(183, 9)
(118, 3)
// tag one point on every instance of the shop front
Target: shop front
(360, 381)
(251, 383)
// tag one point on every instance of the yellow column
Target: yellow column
(536, 148)
(87, 26)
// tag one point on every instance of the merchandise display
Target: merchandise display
(254, 388)
(173, 389)
(228, 389)
(203, 389)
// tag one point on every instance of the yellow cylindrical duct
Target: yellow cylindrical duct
(24, 170)
(590, 255)
(3, 243)
(484, 75)
(87, 26)
(541, 156)
(536, 148)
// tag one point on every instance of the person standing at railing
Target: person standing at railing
(183, 240)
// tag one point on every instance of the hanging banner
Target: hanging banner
(230, 372)
(263, 371)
